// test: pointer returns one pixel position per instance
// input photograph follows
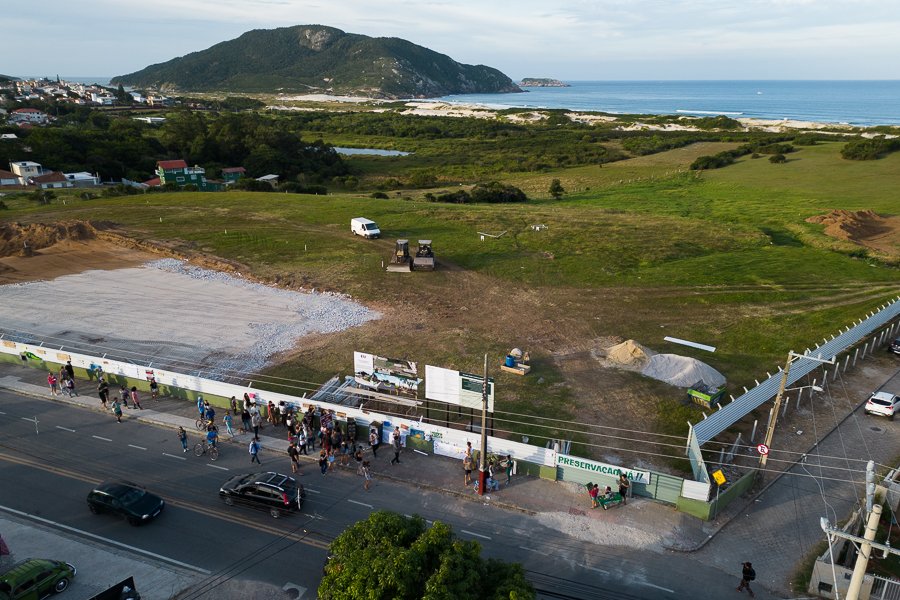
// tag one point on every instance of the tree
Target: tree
(556, 189)
(778, 159)
(122, 96)
(389, 556)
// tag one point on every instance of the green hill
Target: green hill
(318, 59)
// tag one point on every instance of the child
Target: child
(70, 387)
(135, 401)
(123, 395)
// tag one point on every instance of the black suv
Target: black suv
(125, 499)
(271, 491)
(895, 346)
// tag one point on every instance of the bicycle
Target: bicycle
(202, 423)
(202, 448)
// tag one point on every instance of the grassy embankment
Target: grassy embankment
(639, 249)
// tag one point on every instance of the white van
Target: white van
(364, 227)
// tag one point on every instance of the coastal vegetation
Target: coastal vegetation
(870, 149)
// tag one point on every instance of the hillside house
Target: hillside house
(25, 170)
(82, 179)
(51, 180)
(232, 174)
(177, 172)
(29, 115)
(8, 178)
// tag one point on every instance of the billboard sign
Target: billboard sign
(386, 375)
(455, 387)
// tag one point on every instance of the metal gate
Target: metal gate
(885, 589)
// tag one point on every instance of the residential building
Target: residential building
(25, 170)
(271, 179)
(28, 115)
(177, 172)
(7, 178)
(82, 179)
(51, 180)
(232, 174)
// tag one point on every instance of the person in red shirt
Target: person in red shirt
(53, 382)
(595, 492)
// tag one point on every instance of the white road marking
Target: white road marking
(309, 489)
(174, 456)
(97, 437)
(531, 549)
(217, 467)
(360, 503)
(2, 413)
(655, 586)
(590, 568)
(65, 428)
(29, 420)
(105, 540)
(475, 534)
(137, 447)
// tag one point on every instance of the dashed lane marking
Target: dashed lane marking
(309, 489)
(217, 467)
(531, 549)
(136, 447)
(97, 437)
(65, 428)
(360, 503)
(655, 586)
(475, 534)
(174, 456)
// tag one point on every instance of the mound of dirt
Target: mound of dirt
(629, 353)
(851, 225)
(682, 371)
(17, 239)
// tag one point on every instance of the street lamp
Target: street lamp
(773, 417)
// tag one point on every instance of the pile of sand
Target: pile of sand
(16, 237)
(630, 354)
(682, 371)
(851, 225)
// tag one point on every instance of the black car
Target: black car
(125, 499)
(271, 491)
(895, 346)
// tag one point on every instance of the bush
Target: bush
(383, 196)
(873, 149)
(778, 159)
(291, 187)
(251, 185)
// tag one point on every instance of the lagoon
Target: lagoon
(369, 152)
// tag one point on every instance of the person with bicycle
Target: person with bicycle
(210, 413)
(211, 436)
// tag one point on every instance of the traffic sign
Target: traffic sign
(762, 449)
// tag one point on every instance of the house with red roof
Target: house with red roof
(28, 115)
(8, 178)
(232, 174)
(177, 172)
(51, 180)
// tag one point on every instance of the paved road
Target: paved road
(74, 448)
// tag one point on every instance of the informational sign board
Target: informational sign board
(719, 477)
(454, 387)
(564, 460)
(386, 375)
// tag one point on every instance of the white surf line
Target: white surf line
(138, 447)
(97, 437)
(655, 586)
(217, 467)
(475, 534)
(105, 540)
(360, 503)
(65, 428)
(174, 456)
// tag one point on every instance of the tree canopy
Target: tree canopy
(393, 557)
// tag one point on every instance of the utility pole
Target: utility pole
(482, 468)
(773, 417)
(865, 551)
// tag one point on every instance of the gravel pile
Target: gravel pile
(682, 371)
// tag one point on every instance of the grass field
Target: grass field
(639, 249)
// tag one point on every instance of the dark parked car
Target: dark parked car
(125, 499)
(895, 346)
(35, 578)
(271, 491)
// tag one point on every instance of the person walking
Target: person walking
(323, 461)
(182, 437)
(70, 370)
(245, 420)
(201, 407)
(467, 468)
(254, 452)
(398, 444)
(135, 401)
(53, 382)
(294, 454)
(123, 396)
(623, 487)
(301, 441)
(234, 406)
(229, 423)
(358, 457)
(373, 442)
(117, 410)
(70, 387)
(154, 388)
(747, 575)
(103, 392)
(367, 474)
(256, 421)
(509, 468)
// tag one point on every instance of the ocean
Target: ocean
(853, 102)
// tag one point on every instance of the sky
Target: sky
(568, 40)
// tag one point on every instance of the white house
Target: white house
(25, 170)
(137, 97)
(103, 99)
(51, 180)
(28, 115)
(82, 179)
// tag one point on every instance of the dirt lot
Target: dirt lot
(474, 315)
